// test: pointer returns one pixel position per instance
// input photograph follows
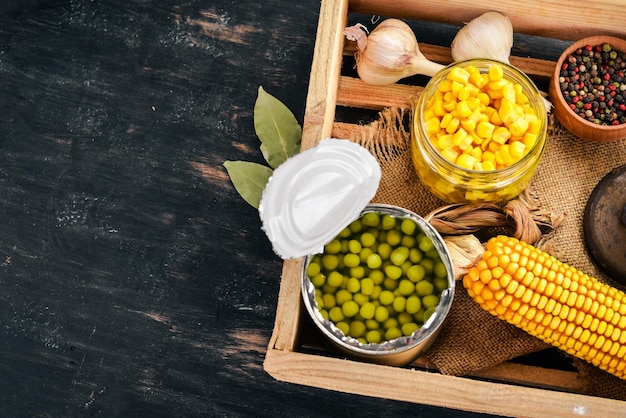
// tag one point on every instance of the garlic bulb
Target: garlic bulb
(392, 53)
(490, 35)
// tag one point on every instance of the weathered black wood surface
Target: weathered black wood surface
(135, 280)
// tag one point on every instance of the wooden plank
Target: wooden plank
(416, 386)
(325, 70)
(353, 92)
(551, 18)
(285, 332)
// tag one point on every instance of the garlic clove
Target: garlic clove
(490, 35)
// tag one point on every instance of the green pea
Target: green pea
(354, 285)
(408, 241)
(313, 269)
(336, 314)
(318, 280)
(357, 328)
(406, 287)
(428, 313)
(394, 237)
(413, 304)
(356, 226)
(343, 327)
(368, 239)
(425, 243)
(320, 302)
(360, 299)
(350, 308)
(399, 304)
(373, 337)
(351, 260)
(330, 261)
(416, 273)
(390, 323)
(358, 272)
(381, 314)
(404, 318)
(333, 247)
(374, 261)
(392, 333)
(388, 222)
(440, 283)
(334, 279)
(440, 269)
(424, 288)
(377, 276)
(384, 250)
(393, 272)
(354, 246)
(371, 219)
(430, 301)
(415, 255)
(372, 324)
(408, 226)
(364, 253)
(367, 286)
(428, 264)
(409, 328)
(399, 255)
(386, 297)
(376, 292)
(324, 314)
(368, 310)
(345, 233)
(329, 300)
(342, 296)
(433, 254)
(390, 284)
(329, 289)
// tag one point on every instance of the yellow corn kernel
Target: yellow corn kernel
(445, 86)
(485, 129)
(517, 151)
(477, 153)
(508, 111)
(561, 305)
(445, 121)
(456, 88)
(453, 125)
(518, 127)
(463, 109)
(466, 161)
(468, 124)
(459, 74)
(450, 154)
(489, 166)
(496, 72)
(508, 92)
(501, 135)
(432, 125)
(444, 141)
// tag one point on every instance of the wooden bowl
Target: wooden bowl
(566, 116)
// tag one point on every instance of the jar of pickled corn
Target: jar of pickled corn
(478, 132)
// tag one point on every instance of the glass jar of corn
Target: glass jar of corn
(478, 132)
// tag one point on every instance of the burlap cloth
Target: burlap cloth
(472, 339)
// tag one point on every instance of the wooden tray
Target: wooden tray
(296, 352)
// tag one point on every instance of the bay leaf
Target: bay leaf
(277, 129)
(249, 179)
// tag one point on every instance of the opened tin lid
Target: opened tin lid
(312, 196)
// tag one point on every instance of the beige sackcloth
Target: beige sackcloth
(472, 339)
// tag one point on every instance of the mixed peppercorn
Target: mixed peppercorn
(593, 84)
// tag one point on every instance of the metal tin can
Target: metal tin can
(399, 351)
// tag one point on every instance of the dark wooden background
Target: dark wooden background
(135, 281)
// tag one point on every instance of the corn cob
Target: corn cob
(553, 301)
